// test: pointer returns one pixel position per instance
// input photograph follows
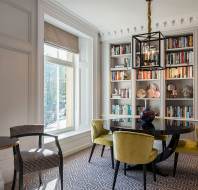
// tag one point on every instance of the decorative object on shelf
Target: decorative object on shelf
(147, 115)
(172, 90)
(153, 91)
(127, 62)
(148, 126)
(121, 93)
(141, 93)
(187, 91)
(146, 48)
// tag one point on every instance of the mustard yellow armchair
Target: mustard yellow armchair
(185, 146)
(101, 136)
(133, 148)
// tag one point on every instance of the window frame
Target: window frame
(53, 60)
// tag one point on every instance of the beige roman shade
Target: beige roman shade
(61, 38)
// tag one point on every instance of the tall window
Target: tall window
(58, 89)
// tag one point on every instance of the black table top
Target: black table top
(157, 127)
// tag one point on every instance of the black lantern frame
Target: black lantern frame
(147, 51)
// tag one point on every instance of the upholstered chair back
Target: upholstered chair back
(97, 129)
(132, 148)
(20, 131)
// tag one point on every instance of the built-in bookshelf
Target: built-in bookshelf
(172, 93)
(179, 76)
(120, 80)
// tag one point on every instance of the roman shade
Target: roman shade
(61, 38)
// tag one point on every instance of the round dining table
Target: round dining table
(172, 128)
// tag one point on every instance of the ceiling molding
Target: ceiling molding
(166, 25)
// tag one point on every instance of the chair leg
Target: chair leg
(163, 145)
(116, 173)
(124, 168)
(154, 170)
(21, 180)
(103, 147)
(175, 163)
(14, 180)
(40, 179)
(92, 150)
(144, 176)
(61, 173)
(112, 157)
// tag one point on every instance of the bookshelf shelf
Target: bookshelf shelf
(120, 80)
(179, 99)
(179, 79)
(179, 65)
(118, 116)
(121, 69)
(121, 55)
(148, 99)
(146, 80)
(180, 49)
(120, 98)
(180, 118)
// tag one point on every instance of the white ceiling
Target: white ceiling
(117, 15)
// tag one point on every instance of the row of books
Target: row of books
(147, 75)
(179, 72)
(179, 42)
(184, 57)
(121, 109)
(120, 49)
(120, 75)
(179, 111)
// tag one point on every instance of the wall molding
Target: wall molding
(29, 16)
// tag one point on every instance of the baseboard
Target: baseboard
(77, 149)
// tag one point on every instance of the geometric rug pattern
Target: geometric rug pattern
(98, 175)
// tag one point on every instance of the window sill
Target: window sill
(65, 135)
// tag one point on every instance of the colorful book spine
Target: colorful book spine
(179, 111)
(179, 72)
(179, 42)
(120, 49)
(184, 57)
(144, 75)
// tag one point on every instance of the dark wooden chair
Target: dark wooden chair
(34, 160)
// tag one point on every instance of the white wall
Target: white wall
(21, 71)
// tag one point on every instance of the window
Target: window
(58, 89)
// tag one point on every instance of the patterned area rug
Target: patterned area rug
(98, 175)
